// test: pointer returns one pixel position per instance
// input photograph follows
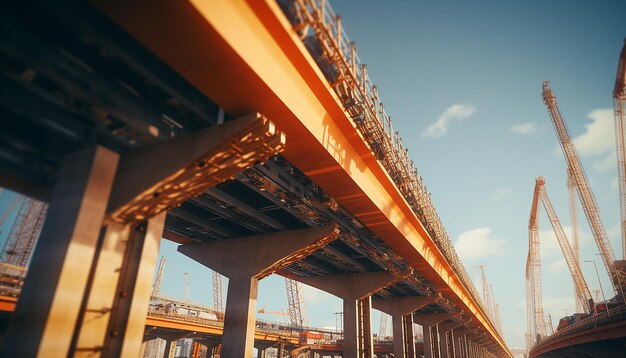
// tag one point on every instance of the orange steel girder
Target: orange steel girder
(245, 56)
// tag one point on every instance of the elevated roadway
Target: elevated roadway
(111, 74)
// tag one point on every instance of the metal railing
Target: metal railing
(321, 31)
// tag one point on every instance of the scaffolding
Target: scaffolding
(321, 31)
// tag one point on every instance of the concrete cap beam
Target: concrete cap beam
(400, 306)
(260, 255)
(351, 286)
(429, 319)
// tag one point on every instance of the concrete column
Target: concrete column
(366, 339)
(45, 316)
(428, 344)
(351, 288)
(245, 261)
(446, 345)
(431, 320)
(409, 340)
(398, 307)
(443, 342)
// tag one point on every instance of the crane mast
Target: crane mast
(24, 233)
(156, 288)
(486, 295)
(619, 104)
(187, 287)
(218, 302)
(582, 290)
(295, 300)
(534, 299)
(587, 199)
(382, 329)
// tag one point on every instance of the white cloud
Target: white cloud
(479, 243)
(525, 128)
(550, 245)
(599, 136)
(501, 194)
(457, 112)
(608, 163)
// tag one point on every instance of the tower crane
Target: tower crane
(588, 201)
(218, 298)
(24, 233)
(619, 105)
(295, 300)
(571, 186)
(9, 209)
(495, 308)
(382, 329)
(582, 289)
(486, 295)
(187, 287)
(534, 300)
(156, 288)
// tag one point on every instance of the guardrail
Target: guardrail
(613, 315)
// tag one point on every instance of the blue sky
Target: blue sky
(475, 68)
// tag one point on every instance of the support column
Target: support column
(397, 308)
(245, 261)
(431, 320)
(409, 340)
(352, 288)
(428, 344)
(459, 334)
(48, 309)
(446, 338)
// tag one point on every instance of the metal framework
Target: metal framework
(218, 298)
(587, 199)
(536, 328)
(156, 288)
(582, 289)
(295, 301)
(322, 33)
(619, 104)
(571, 186)
(24, 233)
(382, 329)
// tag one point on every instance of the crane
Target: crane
(582, 289)
(280, 313)
(218, 298)
(9, 209)
(495, 308)
(187, 287)
(536, 326)
(486, 295)
(295, 300)
(156, 288)
(382, 329)
(24, 233)
(619, 104)
(571, 186)
(588, 201)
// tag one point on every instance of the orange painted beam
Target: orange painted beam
(245, 56)
(7, 304)
(169, 323)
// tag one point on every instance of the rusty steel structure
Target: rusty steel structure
(156, 287)
(535, 324)
(295, 301)
(24, 233)
(321, 31)
(585, 194)
(573, 212)
(619, 106)
(583, 293)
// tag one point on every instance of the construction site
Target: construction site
(233, 186)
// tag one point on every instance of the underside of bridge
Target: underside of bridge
(129, 139)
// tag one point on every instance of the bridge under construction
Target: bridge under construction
(251, 135)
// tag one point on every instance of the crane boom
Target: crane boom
(582, 289)
(156, 288)
(587, 199)
(486, 295)
(619, 104)
(573, 214)
(217, 292)
(295, 300)
(534, 299)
